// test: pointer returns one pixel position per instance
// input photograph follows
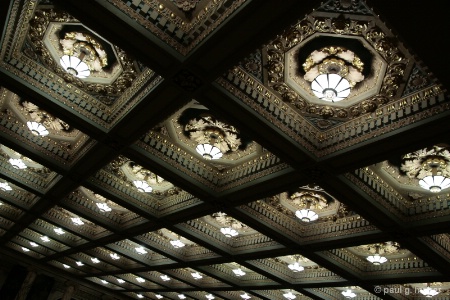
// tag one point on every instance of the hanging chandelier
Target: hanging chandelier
(377, 259)
(37, 128)
(296, 267)
(103, 207)
(208, 151)
(141, 250)
(75, 66)
(289, 296)
(238, 272)
(330, 87)
(229, 232)
(306, 215)
(209, 296)
(142, 186)
(4, 186)
(177, 244)
(17, 163)
(196, 275)
(333, 71)
(428, 291)
(245, 296)
(434, 182)
(348, 294)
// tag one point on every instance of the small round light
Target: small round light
(330, 87)
(74, 66)
(306, 215)
(208, 151)
(37, 128)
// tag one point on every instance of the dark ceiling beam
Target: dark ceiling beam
(417, 27)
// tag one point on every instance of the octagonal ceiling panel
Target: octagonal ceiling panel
(272, 81)
(119, 82)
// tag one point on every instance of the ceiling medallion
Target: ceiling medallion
(20, 162)
(41, 121)
(431, 167)
(287, 53)
(214, 138)
(231, 224)
(309, 201)
(377, 251)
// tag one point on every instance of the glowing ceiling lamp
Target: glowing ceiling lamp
(4, 186)
(209, 297)
(17, 163)
(245, 296)
(289, 296)
(307, 215)
(229, 232)
(95, 260)
(140, 279)
(103, 207)
(37, 128)
(296, 267)
(104, 281)
(119, 280)
(197, 275)
(330, 87)
(434, 182)
(75, 66)
(66, 266)
(142, 186)
(238, 272)
(348, 294)
(209, 151)
(25, 249)
(165, 277)
(141, 250)
(158, 296)
(45, 239)
(177, 244)
(79, 263)
(114, 256)
(77, 221)
(59, 231)
(139, 296)
(181, 296)
(33, 244)
(428, 291)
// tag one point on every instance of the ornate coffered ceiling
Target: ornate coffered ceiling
(103, 185)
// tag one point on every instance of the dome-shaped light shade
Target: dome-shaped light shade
(306, 215)
(177, 244)
(228, 231)
(73, 65)
(4, 186)
(37, 128)
(103, 207)
(209, 151)
(377, 259)
(295, 267)
(429, 292)
(289, 296)
(17, 163)
(435, 183)
(238, 272)
(210, 297)
(349, 294)
(245, 296)
(142, 186)
(330, 87)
